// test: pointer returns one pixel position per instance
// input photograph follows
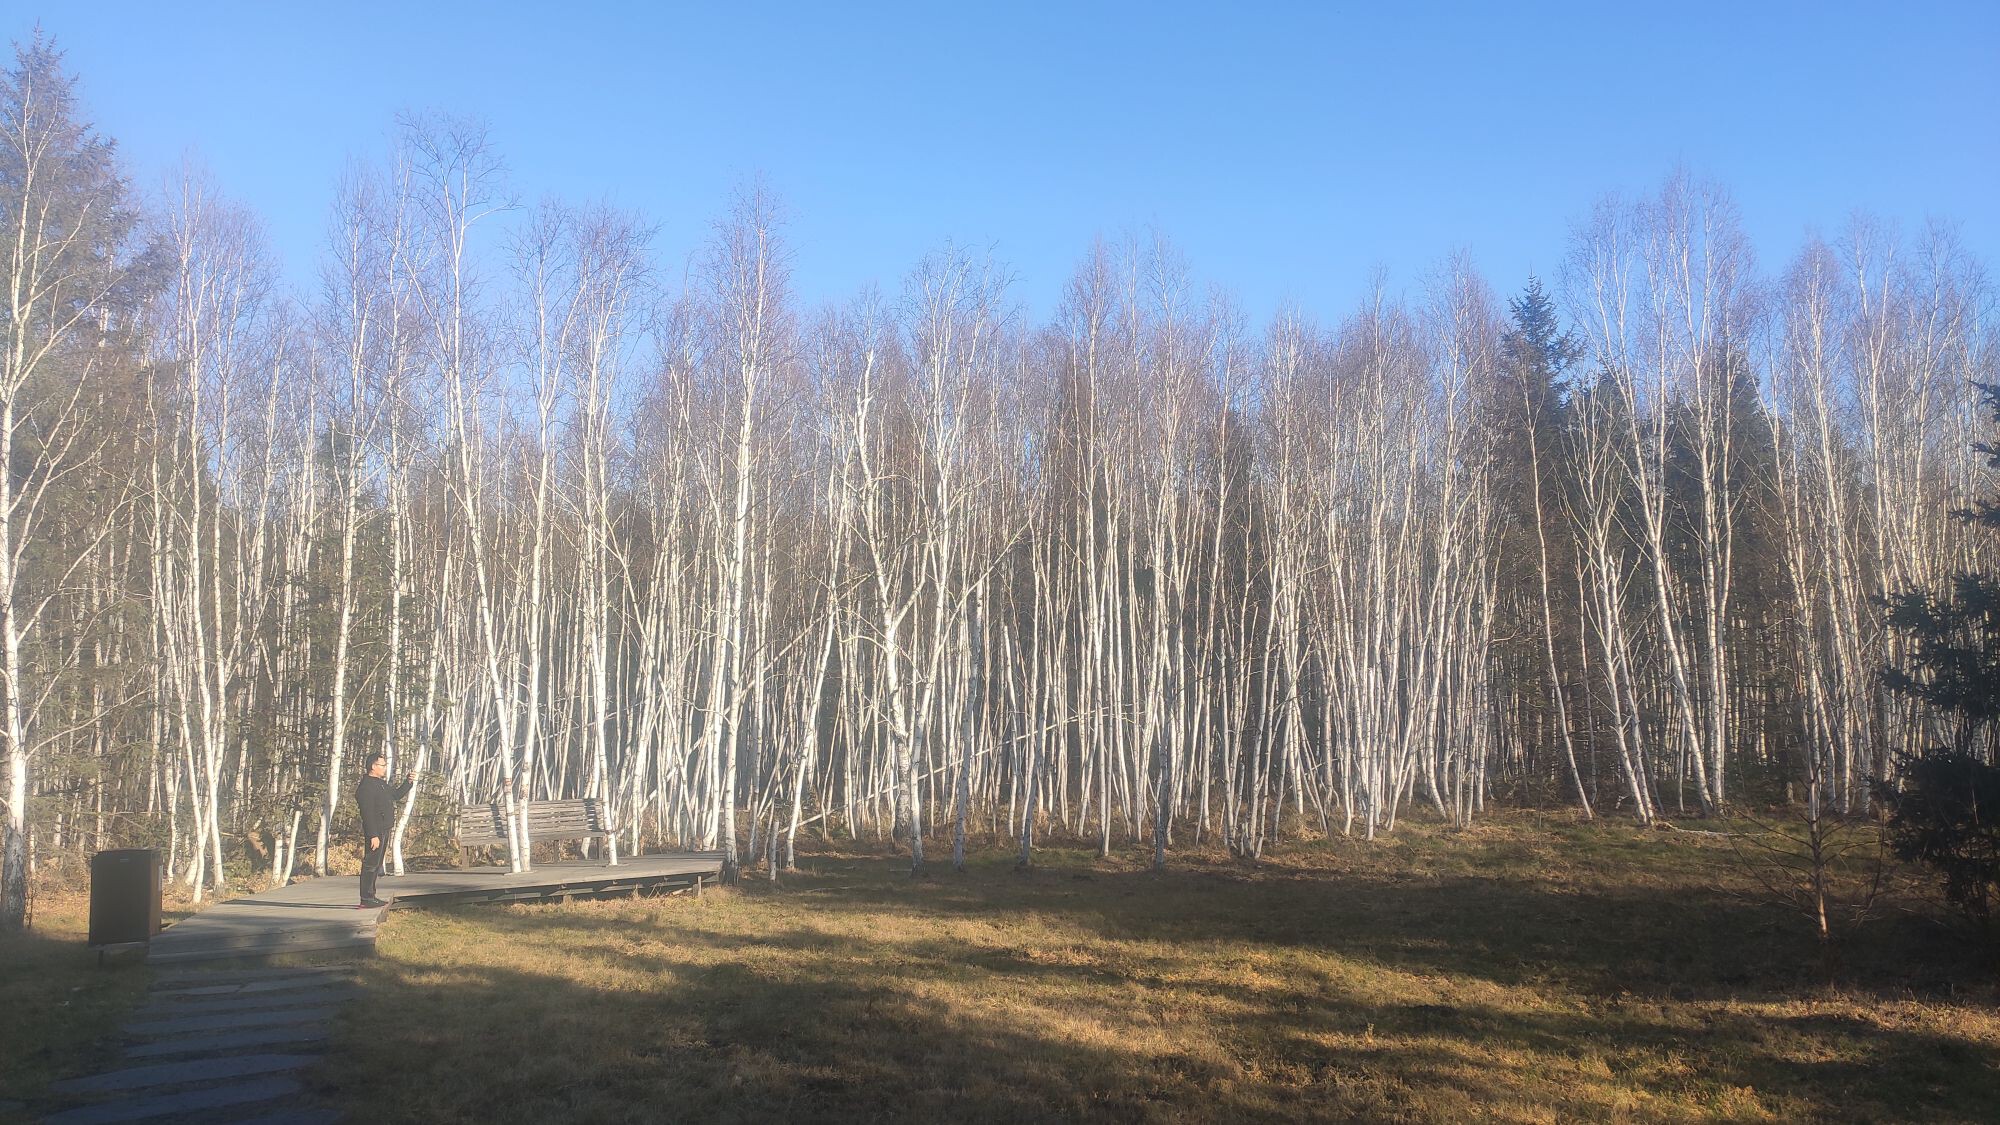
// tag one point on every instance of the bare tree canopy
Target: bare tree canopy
(539, 516)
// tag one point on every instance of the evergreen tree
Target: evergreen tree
(1537, 350)
(1527, 414)
(1946, 810)
(69, 265)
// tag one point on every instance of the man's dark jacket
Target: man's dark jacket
(378, 805)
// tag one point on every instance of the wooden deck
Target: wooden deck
(318, 914)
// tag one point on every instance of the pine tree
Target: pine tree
(67, 265)
(1526, 412)
(1945, 811)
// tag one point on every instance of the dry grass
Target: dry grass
(59, 1007)
(58, 1010)
(1511, 972)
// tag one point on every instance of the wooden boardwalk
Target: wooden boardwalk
(318, 914)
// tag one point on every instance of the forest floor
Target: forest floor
(1527, 969)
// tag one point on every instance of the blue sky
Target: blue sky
(1287, 150)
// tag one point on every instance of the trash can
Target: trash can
(124, 896)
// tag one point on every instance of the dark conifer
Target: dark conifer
(1945, 810)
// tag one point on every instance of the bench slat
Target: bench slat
(581, 818)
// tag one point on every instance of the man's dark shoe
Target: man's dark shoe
(374, 902)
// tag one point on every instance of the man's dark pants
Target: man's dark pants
(371, 868)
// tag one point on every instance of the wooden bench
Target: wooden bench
(486, 825)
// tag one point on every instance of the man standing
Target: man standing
(378, 817)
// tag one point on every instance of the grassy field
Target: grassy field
(58, 1009)
(1513, 972)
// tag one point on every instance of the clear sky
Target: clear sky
(1287, 150)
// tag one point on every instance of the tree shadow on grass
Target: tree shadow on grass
(59, 1012)
(1682, 940)
(729, 1043)
(859, 1005)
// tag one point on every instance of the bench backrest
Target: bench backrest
(582, 818)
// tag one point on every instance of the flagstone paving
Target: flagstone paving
(216, 1047)
(230, 1045)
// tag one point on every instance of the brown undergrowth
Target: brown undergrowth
(1517, 971)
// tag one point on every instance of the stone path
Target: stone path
(229, 1046)
(216, 1047)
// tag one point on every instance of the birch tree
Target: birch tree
(68, 254)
